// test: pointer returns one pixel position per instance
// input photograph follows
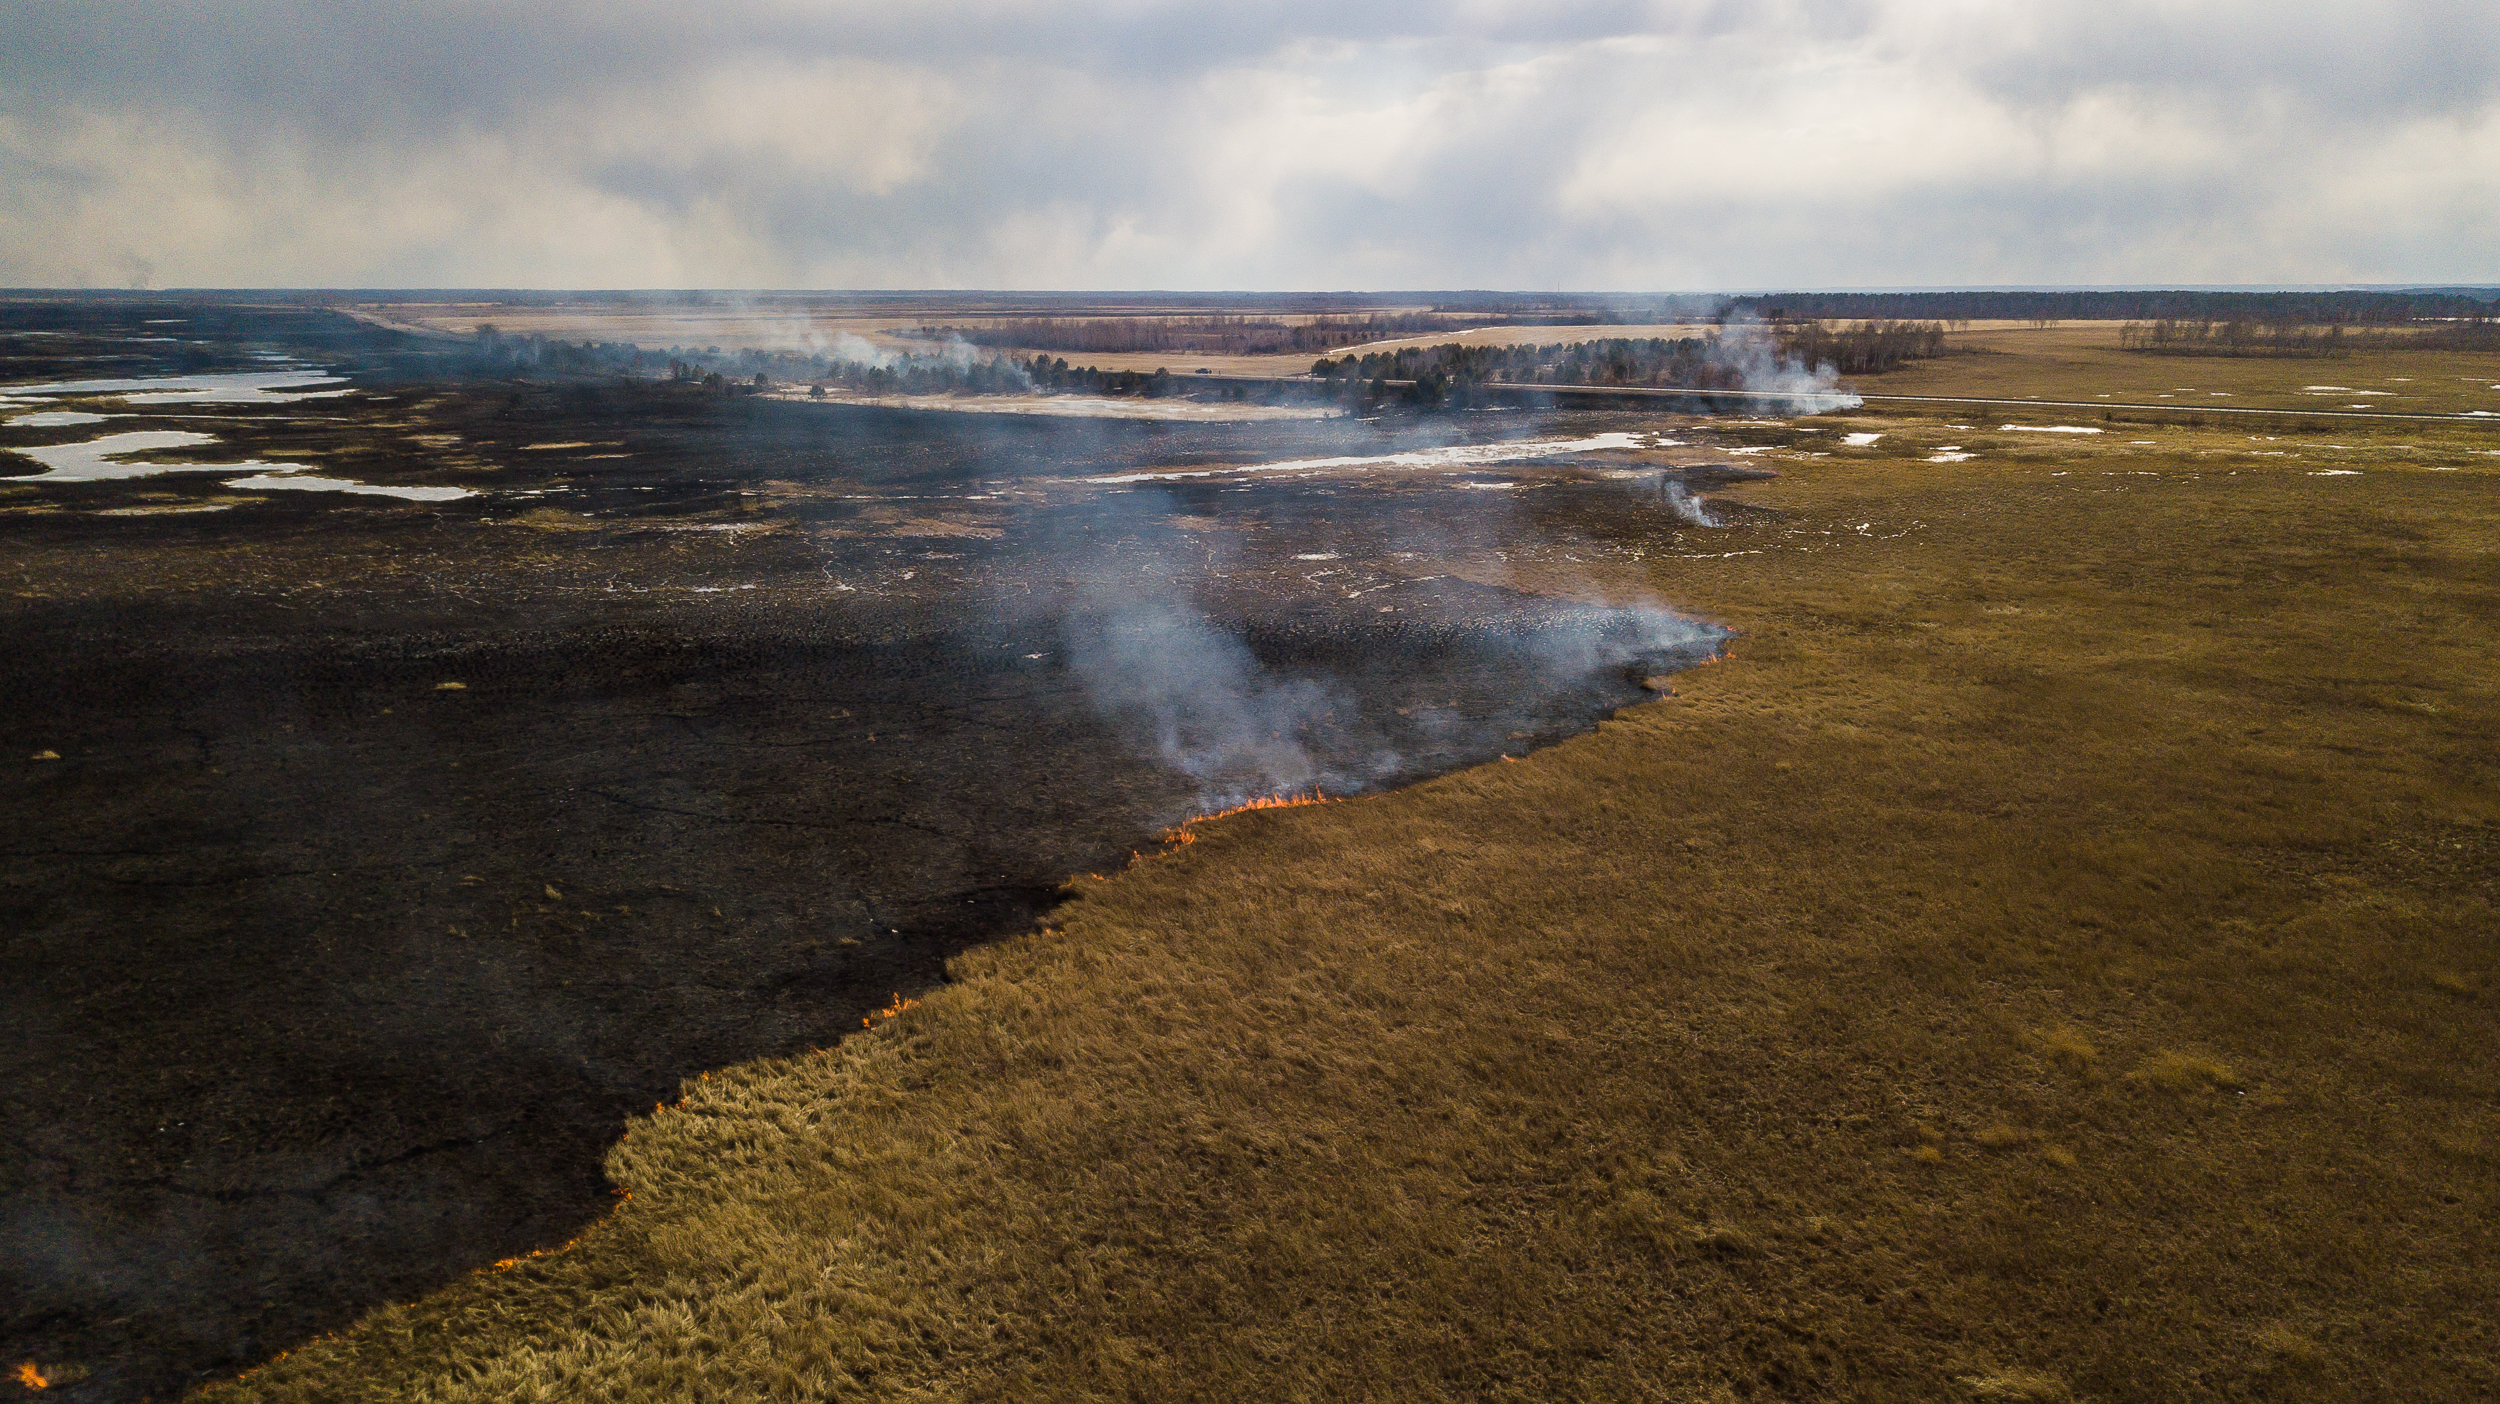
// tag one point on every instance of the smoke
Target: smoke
(1210, 709)
(846, 349)
(1687, 508)
(1746, 348)
(1357, 662)
(1642, 635)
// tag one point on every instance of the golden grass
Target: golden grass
(2038, 965)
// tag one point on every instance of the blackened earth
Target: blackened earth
(395, 851)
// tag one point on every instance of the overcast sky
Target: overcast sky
(1659, 146)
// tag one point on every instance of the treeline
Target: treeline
(744, 370)
(1869, 348)
(1704, 362)
(1691, 362)
(1212, 335)
(2349, 308)
(922, 376)
(2168, 337)
(1054, 373)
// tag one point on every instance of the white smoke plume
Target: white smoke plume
(1748, 348)
(1212, 711)
(1688, 509)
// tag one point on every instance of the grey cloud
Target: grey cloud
(1820, 142)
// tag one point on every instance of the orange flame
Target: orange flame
(1277, 801)
(891, 1011)
(31, 1377)
(1184, 833)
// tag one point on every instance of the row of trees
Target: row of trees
(2170, 337)
(2351, 308)
(1054, 373)
(1692, 361)
(1706, 362)
(1869, 348)
(743, 370)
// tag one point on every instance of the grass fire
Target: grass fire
(2049, 959)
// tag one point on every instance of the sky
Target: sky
(1286, 145)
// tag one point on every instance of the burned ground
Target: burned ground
(394, 852)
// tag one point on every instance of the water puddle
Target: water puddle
(106, 459)
(301, 483)
(222, 388)
(1446, 456)
(1079, 406)
(55, 419)
(111, 459)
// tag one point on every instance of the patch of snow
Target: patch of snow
(303, 483)
(102, 460)
(1859, 440)
(1447, 456)
(2047, 429)
(53, 419)
(224, 388)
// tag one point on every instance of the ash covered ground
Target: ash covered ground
(371, 850)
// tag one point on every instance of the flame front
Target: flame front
(31, 1377)
(891, 1011)
(1183, 834)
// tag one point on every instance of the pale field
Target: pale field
(2083, 361)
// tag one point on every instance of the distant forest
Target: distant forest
(1227, 336)
(2169, 337)
(2354, 308)
(1688, 362)
(741, 371)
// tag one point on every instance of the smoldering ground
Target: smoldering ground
(1208, 648)
(331, 981)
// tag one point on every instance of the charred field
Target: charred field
(371, 857)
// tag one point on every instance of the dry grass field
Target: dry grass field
(2053, 958)
(2083, 361)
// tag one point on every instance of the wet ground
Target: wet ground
(368, 851)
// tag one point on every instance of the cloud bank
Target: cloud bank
(770, 143)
